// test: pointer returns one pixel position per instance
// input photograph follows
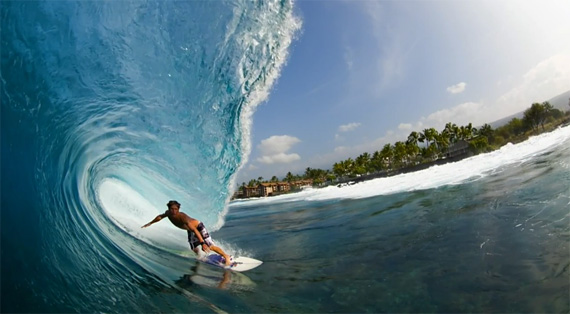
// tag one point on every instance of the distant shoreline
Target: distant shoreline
(437, 162)
(418, 167)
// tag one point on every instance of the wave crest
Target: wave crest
(136, 103)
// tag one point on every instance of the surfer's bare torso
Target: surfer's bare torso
(181, 220)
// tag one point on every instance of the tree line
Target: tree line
(430, 144)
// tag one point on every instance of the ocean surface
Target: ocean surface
(110, 109)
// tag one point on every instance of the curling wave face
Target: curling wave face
(125, 105)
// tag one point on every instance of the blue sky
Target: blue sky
(361, 74)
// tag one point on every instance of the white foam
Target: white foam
(286, 34)
(466, 170)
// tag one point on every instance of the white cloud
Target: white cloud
(461, 114)
(340, 149)
(274, 149)
(405, 126)
(348, 127)
(279, 158)
(457, 88)
(547, 79)
(277, 144)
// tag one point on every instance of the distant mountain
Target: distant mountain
(505, 120)
(559, 102)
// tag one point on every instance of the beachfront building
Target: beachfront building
(458, 149)
(271, 188)
(300, 184)
(267, 189)
(248, 192)
(283, 187)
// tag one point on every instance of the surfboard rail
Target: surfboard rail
(239, 263)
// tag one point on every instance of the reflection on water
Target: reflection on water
(205, 275)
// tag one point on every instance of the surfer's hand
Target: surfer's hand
(146, 225)
(205, 248)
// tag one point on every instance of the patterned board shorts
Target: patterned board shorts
(193, 239)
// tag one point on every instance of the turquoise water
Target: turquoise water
(496, 242)
(110, 109)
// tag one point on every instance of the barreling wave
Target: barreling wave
(128, 104)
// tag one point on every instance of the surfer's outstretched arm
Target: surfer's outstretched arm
(156, 219)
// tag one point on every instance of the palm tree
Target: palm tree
(487, 131)
(547, 106)
(387, 154)
(466, 132)
(412, 147)
(317, 175)
(330, 176)
(471, 130)
(442, 142)
(431, 152)
(363, 163)
(451, 130)
(349, 166)
(460, 133)
(339, 170)
(428, 135)
(399, 154)
(413, 137)
(412, 151)
(308, 172)
(422, 137)
(376, 163)
(345, 168)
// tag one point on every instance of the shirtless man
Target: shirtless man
(197, 233)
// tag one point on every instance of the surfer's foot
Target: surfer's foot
(232, 264)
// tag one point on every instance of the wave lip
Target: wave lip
(133, 104)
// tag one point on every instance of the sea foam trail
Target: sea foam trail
(467, 170)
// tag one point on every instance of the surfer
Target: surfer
(197, 233)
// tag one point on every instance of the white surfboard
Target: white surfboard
(239, 263)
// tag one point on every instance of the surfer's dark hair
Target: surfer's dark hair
(173, 202)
